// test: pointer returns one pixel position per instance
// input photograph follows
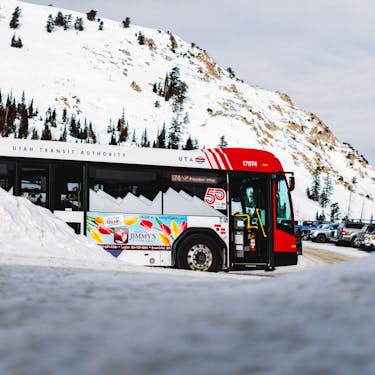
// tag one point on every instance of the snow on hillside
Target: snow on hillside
(108, 318)
(100, 74)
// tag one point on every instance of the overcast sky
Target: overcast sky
(321, 52)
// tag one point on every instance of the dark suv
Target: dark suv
(366, 229)
(347, 233)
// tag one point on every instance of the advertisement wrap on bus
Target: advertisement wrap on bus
(206, 210)
(117, 232)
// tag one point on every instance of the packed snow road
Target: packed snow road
(325, 257)
(110, 319)
(314, 255)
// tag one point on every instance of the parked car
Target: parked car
(366, 229)
(324, 233)
(347, 232)
(369, 242)
(306, 226)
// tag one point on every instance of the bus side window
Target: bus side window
(236, 206)
(284, 220)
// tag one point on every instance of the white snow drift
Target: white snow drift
(31, 232)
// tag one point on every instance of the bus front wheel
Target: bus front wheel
(199, 253)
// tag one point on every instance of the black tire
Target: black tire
(321, 238)
(199, 252)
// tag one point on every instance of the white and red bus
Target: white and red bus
(208, 210)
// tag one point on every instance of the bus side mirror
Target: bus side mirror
(292, 183)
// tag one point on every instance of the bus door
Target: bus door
(250, 205)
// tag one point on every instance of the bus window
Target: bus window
(34, 183)
(195, 193)
(132, 189)
(284, 219)
(7, 176)
(250, 200)
(68, 195)
(247, 195)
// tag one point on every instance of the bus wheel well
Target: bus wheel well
(205, 236)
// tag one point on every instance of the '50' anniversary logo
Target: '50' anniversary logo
(216, 198)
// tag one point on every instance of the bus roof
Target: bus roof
(239, 159)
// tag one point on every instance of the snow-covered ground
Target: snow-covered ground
(68, 307)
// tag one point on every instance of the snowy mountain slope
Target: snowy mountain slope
(97, 74)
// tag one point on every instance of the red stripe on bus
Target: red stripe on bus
(225, 159)
(208, 159)
(215, 158)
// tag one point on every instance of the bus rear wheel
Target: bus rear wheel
(199, 253)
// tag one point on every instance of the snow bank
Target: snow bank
(28, 231)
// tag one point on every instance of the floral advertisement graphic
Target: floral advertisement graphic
(115, 231)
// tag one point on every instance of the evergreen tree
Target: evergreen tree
(59, 20)
(16, 42)
(67, 21)
(15, 21)
(35, 134)
(161, 138)
(73, 129)
(327, 191)
(50, 26)
(79, 130)
(144, 139)
(124, 133)
(92, 133)
(30, 109)
(334, 211)
(110, 127)
(84, 133)
(46, 134)
(64, 135)
(113, 141)
(231, 72)
(134, 139)
(141, 39)
(186, 119)
(189, 144)
(315, 187)
(91, 15)
(122, 128)
(64, 116)
(174, 136)
(126, 23)
(78, 24)
(174, 87)
(223, 142)
(23, 130)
